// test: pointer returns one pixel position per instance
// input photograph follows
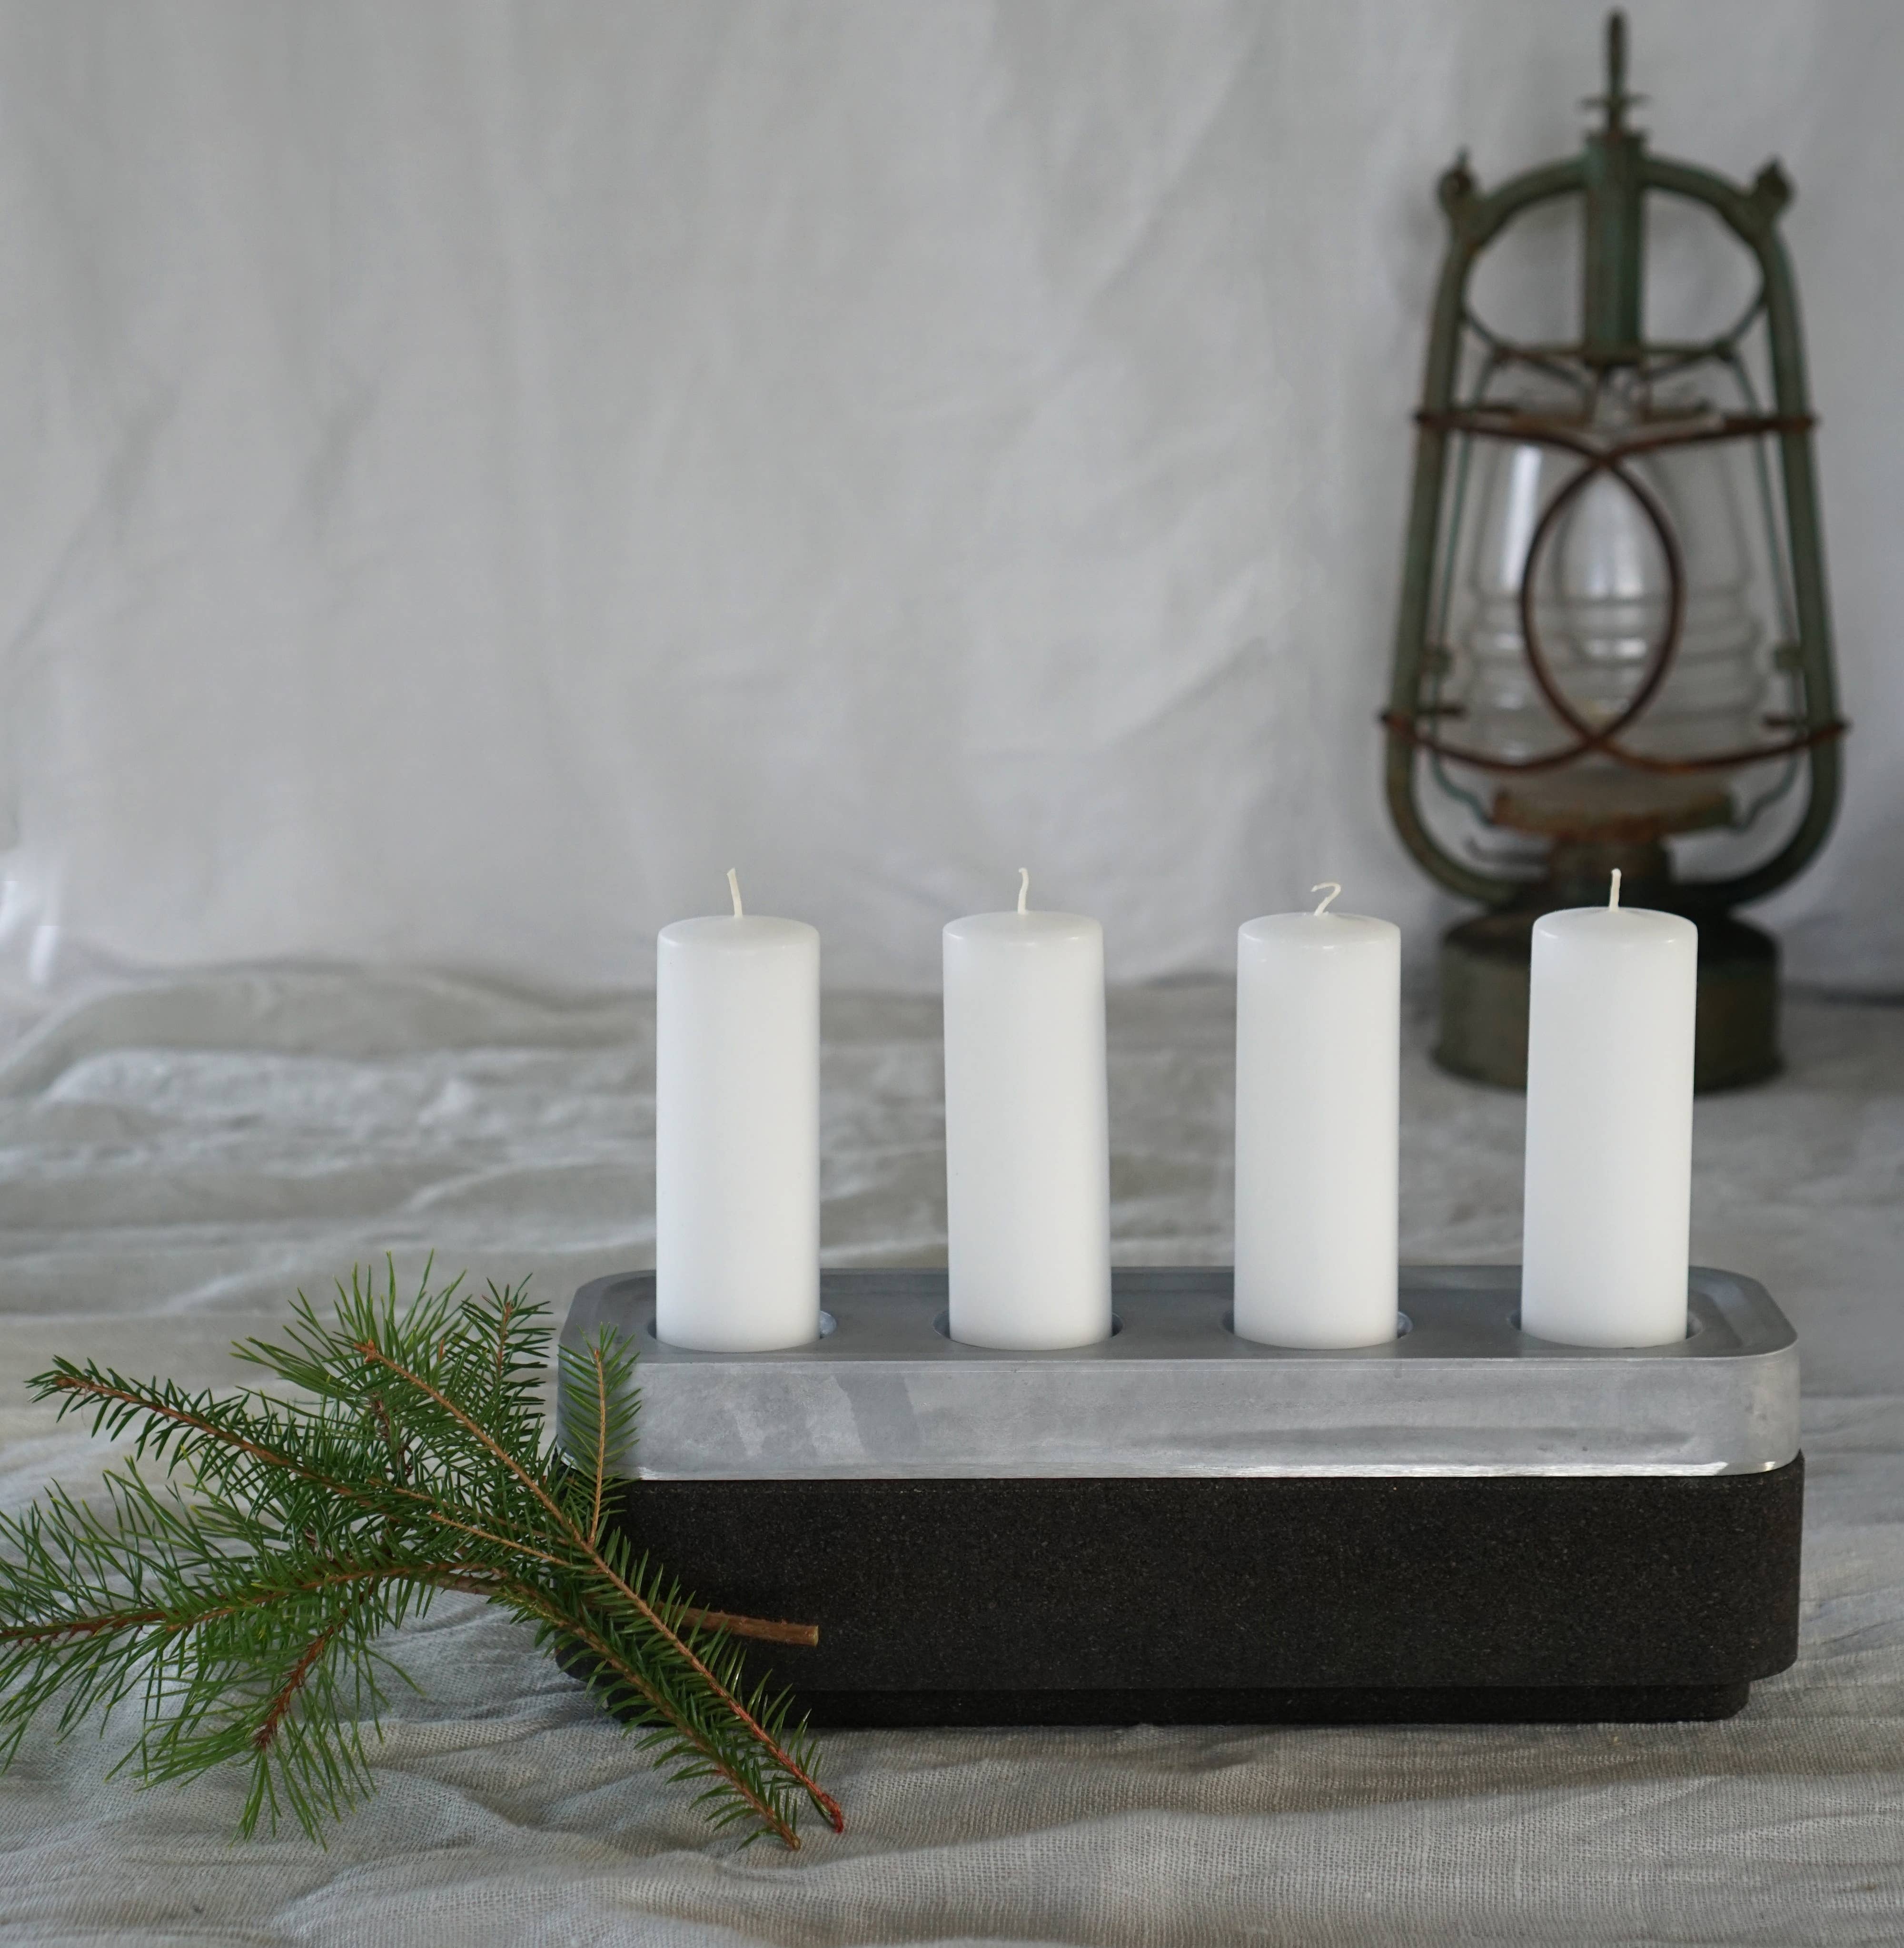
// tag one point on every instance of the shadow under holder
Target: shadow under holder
(1179, 1526)
(1615, 777)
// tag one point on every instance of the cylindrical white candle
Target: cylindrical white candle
(1317, 1078)
(1607, 1213)
(1027, 1143)
(737, 1143)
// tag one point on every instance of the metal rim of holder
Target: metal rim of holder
(885, 1395)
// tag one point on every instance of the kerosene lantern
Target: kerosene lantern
(1614, 646)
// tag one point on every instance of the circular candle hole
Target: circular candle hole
(828, 1324)
(1694, 1328)
(942, 1326)
(1404, 1326)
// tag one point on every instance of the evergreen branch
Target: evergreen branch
(77, 1384)
(684, 1728)
(171, 1421)
(120, 1402)
(244, 1595)
(822, 1800)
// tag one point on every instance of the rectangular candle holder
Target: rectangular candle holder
(1176, 1525)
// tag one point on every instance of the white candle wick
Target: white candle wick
(1330, 890)
(1024, 887)
(1612, 898)
(734, 887)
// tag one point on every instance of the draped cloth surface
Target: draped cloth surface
(175, 1158)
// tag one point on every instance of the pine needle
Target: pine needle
(250, 1557)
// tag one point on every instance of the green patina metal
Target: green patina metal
(1615, 222)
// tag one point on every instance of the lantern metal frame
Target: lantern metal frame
(1613, 176)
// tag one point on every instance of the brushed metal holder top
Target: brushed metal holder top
(884, 1394)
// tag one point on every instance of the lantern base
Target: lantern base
(1484, 981)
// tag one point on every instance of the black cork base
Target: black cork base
(1447, 1704)
(1357, 1600)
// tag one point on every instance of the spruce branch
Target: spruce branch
(246, 1561)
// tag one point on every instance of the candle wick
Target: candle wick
(1330, 889)
(734, 887)
(1612, 898)
(1024, 887)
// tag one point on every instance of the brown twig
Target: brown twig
(281, 1698)
(79, 1383)
(128, 1620)
(805, 1635)
(80, 1626)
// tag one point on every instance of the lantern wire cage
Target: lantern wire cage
(1612, 409)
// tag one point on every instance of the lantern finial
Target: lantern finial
(1615, 102)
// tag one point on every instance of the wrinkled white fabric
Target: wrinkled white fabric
(470, 472)
(175, 1159)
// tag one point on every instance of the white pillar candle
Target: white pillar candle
(1607, 1212)
(1027, 1142)
(736, 1144)
(1318, 998)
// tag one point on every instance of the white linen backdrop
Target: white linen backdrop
(470, 474)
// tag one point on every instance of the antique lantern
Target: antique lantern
(1613, 647)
